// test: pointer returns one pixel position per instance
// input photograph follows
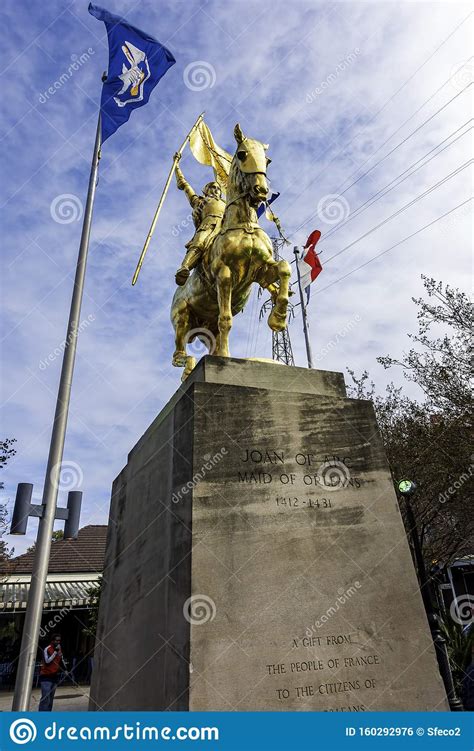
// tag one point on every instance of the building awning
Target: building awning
(58, 594)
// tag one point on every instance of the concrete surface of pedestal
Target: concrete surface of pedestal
(256, 556)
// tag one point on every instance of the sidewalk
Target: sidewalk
(66, 699)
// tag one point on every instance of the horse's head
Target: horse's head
(248, 174)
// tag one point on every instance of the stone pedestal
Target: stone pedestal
(256, 557)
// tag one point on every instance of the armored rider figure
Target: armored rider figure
(208, 211)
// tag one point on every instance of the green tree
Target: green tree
(460, 650)
(441, 365)
(428, 441)
(6, 453)
(94, 593)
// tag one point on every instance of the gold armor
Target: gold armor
(208, 211)
(240, 255)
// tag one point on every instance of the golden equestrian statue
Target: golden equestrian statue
(238, 254)
(228, 252)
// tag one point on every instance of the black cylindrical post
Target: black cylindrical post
(21, 509)
(71, 526)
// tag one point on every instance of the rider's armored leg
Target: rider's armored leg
(189, 262)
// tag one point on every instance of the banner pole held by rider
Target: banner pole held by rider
(160, 204)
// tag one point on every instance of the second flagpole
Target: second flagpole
(34, 608)
(303, 311)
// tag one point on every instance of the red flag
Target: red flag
(313, 238)
(309, 265)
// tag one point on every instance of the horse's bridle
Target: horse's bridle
(243, 195)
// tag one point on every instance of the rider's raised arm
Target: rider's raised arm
(183, 184)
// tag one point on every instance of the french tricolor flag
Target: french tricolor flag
(309, 264)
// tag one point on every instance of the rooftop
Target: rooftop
(67, 556)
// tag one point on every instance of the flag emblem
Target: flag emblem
(133, 78)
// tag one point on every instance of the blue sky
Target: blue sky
(333, 87)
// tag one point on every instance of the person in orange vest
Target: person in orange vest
(51, 667)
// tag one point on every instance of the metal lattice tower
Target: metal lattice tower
(281, 344)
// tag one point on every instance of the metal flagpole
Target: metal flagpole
(303, 311)
(34, 609)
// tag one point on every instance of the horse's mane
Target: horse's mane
(238, 182)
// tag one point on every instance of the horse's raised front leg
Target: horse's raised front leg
(277, 318)
(224, 298)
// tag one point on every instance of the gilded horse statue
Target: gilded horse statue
(240, 254)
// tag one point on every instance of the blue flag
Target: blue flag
(137, 61)
(262, 208)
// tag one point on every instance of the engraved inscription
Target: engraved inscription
(311, 469)
(326, 669)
